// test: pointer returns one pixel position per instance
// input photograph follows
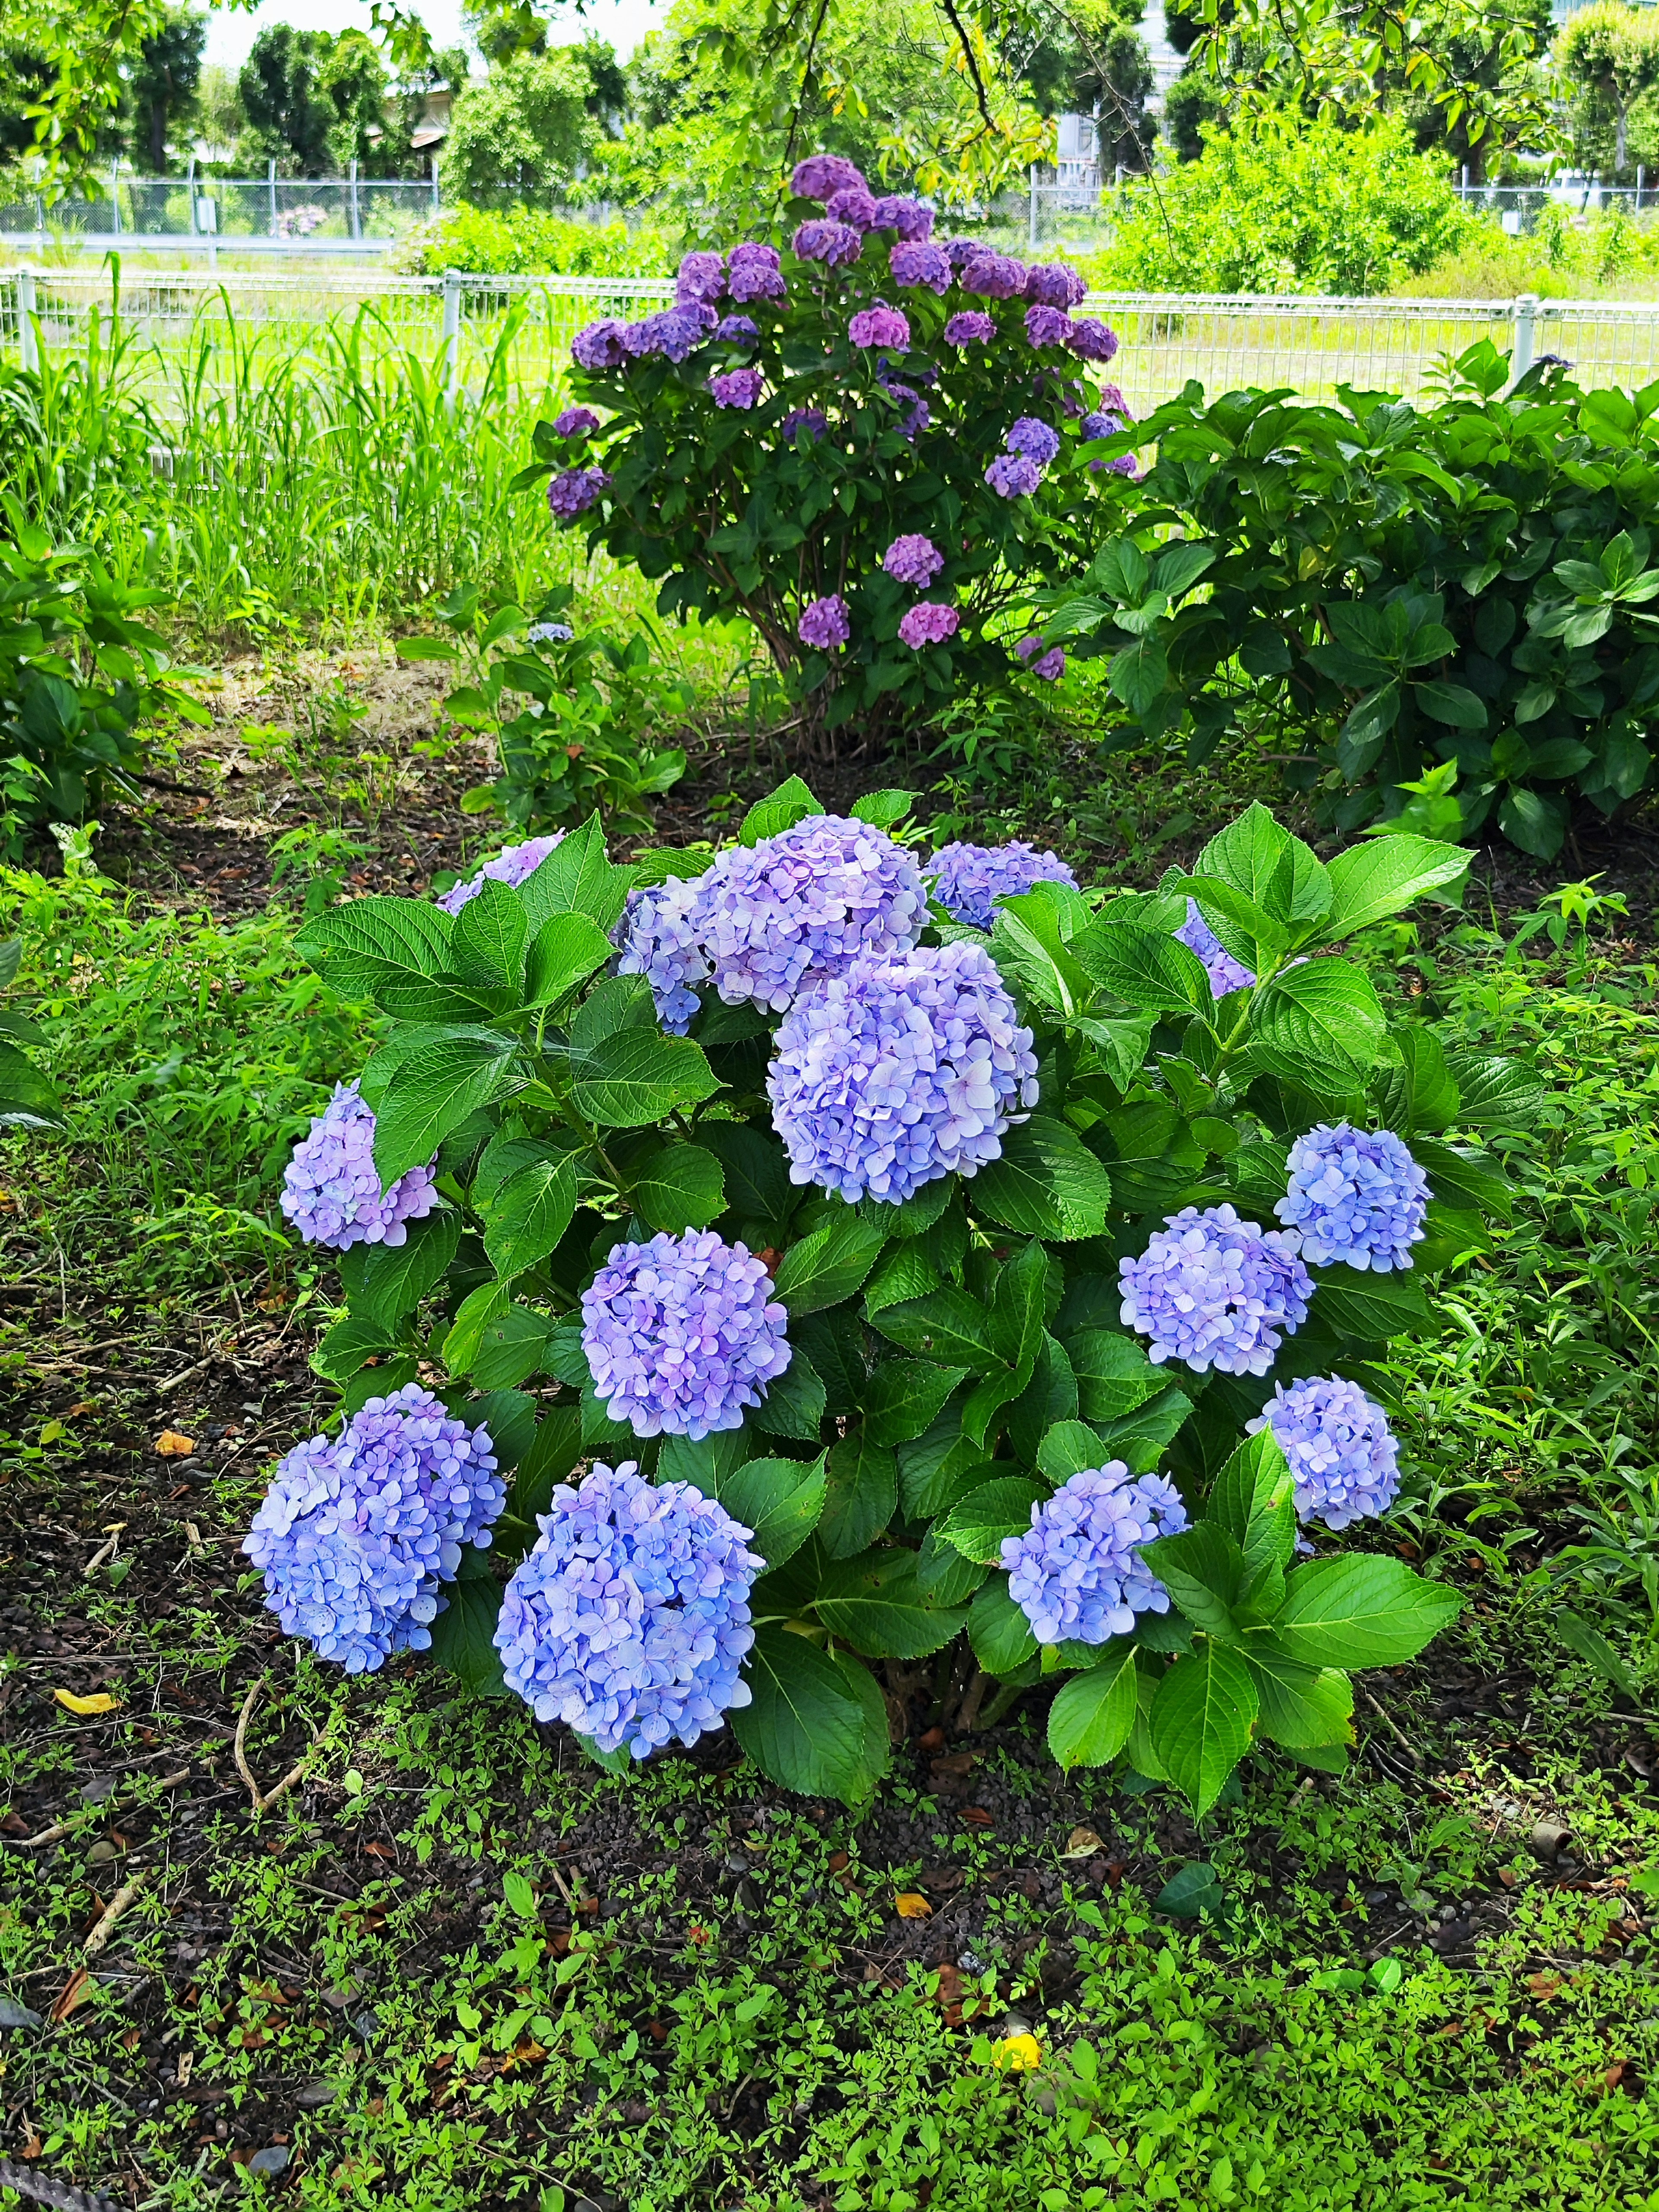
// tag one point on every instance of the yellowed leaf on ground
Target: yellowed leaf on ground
(172, 1445)
(1082, 1844)
(910, 1904)
(1017, 2054)
(100, 1702)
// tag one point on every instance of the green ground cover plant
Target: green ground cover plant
(520, 242)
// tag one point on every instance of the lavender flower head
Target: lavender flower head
(657, 938)
(913, 222)
(1046, 326)
(825, 623)
(737, 330)
(969, 328)
(1225, 974)
(915, 263)
(1013, 475)
(1038, 441)
(835, 244)
(962, 251)
(813, 420)
(820, 176)
(549, 633)
(575, 423)
(1077, 1574)
(1090, 340)
(738, 388)
(854, 204)
(1103, 422)
(629, 1619)
(1049, 665)
(798, 909)
(673, 333)
(994, 275)
(1053, 284)
(701, 277)
(573, 491)
(1212, 1291)
(753, 273)
(331, 1186)
(681, 1335)
(1338, 1446)
(968, 880)
(357, 1533)
(929, 623)
(913, 559)
(598, 345)
(879, 326)
(901, 1071)
(510, 867)
(1356, 1195)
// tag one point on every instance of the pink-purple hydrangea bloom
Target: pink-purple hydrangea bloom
(1050, 664)
(835, 244)
(701, 277)
(968, 880)
(598, 345)
(682, 1334)
(1225, 974)
(1090, 340)
(1046, 326)
(813, 420)
(1038, 441)
(331, 1186)
(1053, 284)
(1212, 1291)
(913, 559)
(738, 388)
(970, 327)
(854, 204)
(1076, 1573)
(913, 222)
(824, 625)
(573, 491)
(510, 866)
(1356, 1196)
(879, 326)
(753, 273)
(994, 276)
(1337, 1443)
(916, 263)
(1013, 475)
(929, 623)
(820, 176)
(575, 423)
(657, 938)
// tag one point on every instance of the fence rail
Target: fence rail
(1225, 341)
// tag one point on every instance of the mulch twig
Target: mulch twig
(264, 1800)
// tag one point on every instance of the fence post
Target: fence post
(190, 192)
(452, 338)
(28, 344)
(357, 215)
(434, 185)
(1032, 226)
(1640, 174)
(1525, 310)
(40, 222)
(115, 197)
(1463, 183)
(271, 188)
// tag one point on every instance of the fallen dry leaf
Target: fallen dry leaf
(73, 1993)
(1082, 1844)
(172, 1444)
(977, 1817)
(910, 1904)
(100, 1702)
(955, 1762)
(1543, 1986)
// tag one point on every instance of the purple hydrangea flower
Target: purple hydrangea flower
(1090, 340)
(1356, 1195)
(753, 273)
(1077, 1574)
(920, 263)
(357, 1533)
(969, 328)
(1101, 424)
(795, 910)
(629, 1619)
(1051, 665)
(879, 326)
(575, 423)
(657, 938)
(824, 625)
(1053, 284)
(962, 251)
(929, 623)
(813, 420)
(681, 1335)
(573, 491)
(1215, 1292)
(599, 345)
(854, 204)
(900, 1070)
(913, 222)
(1014, 476)
(701, 277)
(822, 176)
(1109, 395)
(673, 333)
(549, 633)
(919, 413)
(510, 867)
(835, 244)
(738, 388)
(738, 330)
(1046, 326)
(968, 880)
(1338, 1443)
(913, 559)
(331, 1186)
(994, 275)
(1225, 974)
(1038, 441)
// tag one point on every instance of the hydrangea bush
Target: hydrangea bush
(869, 441)
(849, 1249)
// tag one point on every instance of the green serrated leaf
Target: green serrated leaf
(1200, 1722)
(1090, 1718)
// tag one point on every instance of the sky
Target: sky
(231, 33)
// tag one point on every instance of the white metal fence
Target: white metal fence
(1225, 342)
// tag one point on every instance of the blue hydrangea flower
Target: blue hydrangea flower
(510, 867)
(657, 938)
(681, 1335)
(357, 1534)
(1215, 1292)
(1356, 1196)
(1077, 1572)
(1225, 974)
(331, 1186)
(968, 880)
(629, 1619)
(777, 917)
(899, 1071)
(1341, 1452)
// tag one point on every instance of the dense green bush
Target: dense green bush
(1389, 587)
(522, 243)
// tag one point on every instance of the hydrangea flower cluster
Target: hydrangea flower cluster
(598, 345)
(994, 276)
(331, 1186)
(1356, 1196)
(1046, 326)
(813, 420)
(913, 222)
(1013, 475)
(1055, 284)
(879, 326)
(918, 263)
(657, 938)
(673, 333)
(968, 880)
(970, 327)
(681, 1335)
(738, 388)
(854, 204)
(356, 1533)
(1077, 1574)
(738, 330)
(913, 559)
(573, 491)
(1215, 1292)
(825, 623)
(1038, 441)
(575, 423)
(510, 866)
(1051, 665)
(778, 917)
(701, 278)
(835, 244)
(901, 1071)
(929, 623)
(1225, 974)
(1338, 1446)
(753, 272)
(1090, 340)
(549, 633)
(629, 1619)
(821, 176)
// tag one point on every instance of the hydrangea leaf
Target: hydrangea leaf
(1361, 1611)
(487, 948)
(793, 1402)
(551, 1459)
(915, 1214)
(432, 1090)
(938, 1467)
(1067, 1449)
(1496, 1092)
(1253, 1499)
(1018, 1306)
(462, 1633)
(682, 1187)
(946, 1324)
(829, 1265)
(1471, 1180)
(636, 1076)
(903, 1397)
(349, 1343)
(577, 877)
(530, 1213)
(1142, 1438)
(884, 809)
(998, 1630)
(706, 1461)
(1200, 1722)
(835, 1344)
(380, 948)
(942, 1576)
(1385, 874)
(27, 1100)
(757, 1185)
(1371, 1307)
(878, 1729)
(1144, 968)
(1203, 1570)
(1050, 1395)
(907, 1272)
(390, 1280)
(565, 951)
(1322, 1014)
(805, 1726)
(792, 802)
(1047, 1183)
(875, 1603)
(1091, 1716)
(1280, 874)
(862, 1495)
(779, 1500)
(1114, 1374)
(511, 1347)
(507, 1417)
(1302, 1706)
(1418, 1092)
(978, 1524)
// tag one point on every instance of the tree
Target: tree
(1093, 61)
(524, 126)
(352, 80)
(1607, 55)
(288, 111)
(220, 115)
(164, 83)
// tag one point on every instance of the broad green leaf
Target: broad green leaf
(1418, 1093)
(565, 1359)
(1472, 1179)
(919, 1212)
(829, 1265)
(681, 1187)
(615, 1003)
(565, 950)
(1454, 704)
(1018, 1306)
(875, 1604)
(433, 1091)
(1090, 1718)
(942, 1576)
(903, 1397)
(757, 1185)
(1385, 874)
(1067, 1449)
(511, 1347)
(1202, 1568)
(529, 1214)
(1049, 1396)
(1147, 970)
(1270, 866)
(1114, 1374)
(551, 1459)
(1301, 1706)
(462, 1635)
(385, 1282)
(947, 1324)
(780, 1499)
(508, 1416)
(939, 1467)
(804, 1726)
(27, 1100)
(792, 802)
(877, 1734)
(487, 947)
(351, 1344)
(792, 1404)
(861, 1495)
(636, 1076)
(1248, 932)
(1142, 1437)
(883, 809)
(460, 1345)
(1361, 1611)
(998, 1630)
(986, 1400)
(978, 1523)
(1201, 1720)
(1047, 1183)
(576, 877)
(1496, 1092)
(1031, 952)
(835, 1343)
(390, 950)
(1326, 1012)
(1254, 1500)
(1370, 1306)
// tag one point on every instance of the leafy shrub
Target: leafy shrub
(1280, 202)
(27, 1099)
(565, 744)
(653, 1189)
(522, 243)
(1465, 583)
(870, 487)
